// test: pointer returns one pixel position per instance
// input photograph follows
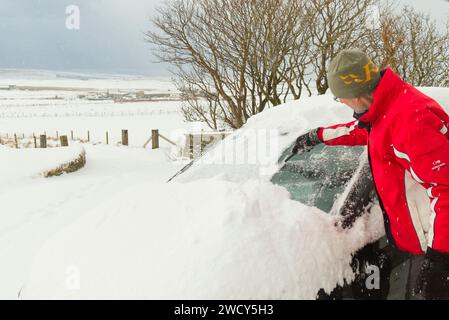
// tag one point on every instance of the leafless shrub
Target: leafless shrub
(232, 58)
(411, 44)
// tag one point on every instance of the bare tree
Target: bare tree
(232, 58)
(386, 42)
(191, 39)
(411, 44)
(279, 52)
(334, 25)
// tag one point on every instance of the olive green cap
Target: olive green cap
(352, 74)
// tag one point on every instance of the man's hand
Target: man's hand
(433, 278)
(306, 142)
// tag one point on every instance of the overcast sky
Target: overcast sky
(110, 38)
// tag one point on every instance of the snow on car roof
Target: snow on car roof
(242, 155)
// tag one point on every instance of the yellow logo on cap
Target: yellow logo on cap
(351, 78)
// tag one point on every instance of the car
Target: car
(337, 180)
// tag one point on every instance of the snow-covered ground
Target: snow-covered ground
(35, 208)
(222, 230)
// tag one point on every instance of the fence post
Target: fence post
(154, 139)
(191, 146)
(64, 141)
(124, 137)
(201, 142)
(88, 136)
(43, 141)
(107, 137)
(35, 141)
(71, 134)
(15, 141)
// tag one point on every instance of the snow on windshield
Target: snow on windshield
(318, 177)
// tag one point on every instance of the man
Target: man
(408, 147)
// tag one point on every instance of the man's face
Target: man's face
(359, 105)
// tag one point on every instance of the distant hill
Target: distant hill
(73, 79)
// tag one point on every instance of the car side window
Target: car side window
(318, 177)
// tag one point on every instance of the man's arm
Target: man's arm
(347, 134)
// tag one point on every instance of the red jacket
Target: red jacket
(408, 145)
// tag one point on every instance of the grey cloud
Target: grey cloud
(33, 34)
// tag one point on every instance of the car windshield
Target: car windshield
(318, 177)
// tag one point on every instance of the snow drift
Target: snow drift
(32, 163)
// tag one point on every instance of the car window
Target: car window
(318, 177)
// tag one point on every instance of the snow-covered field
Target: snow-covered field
(73, 80)
(59, 111)
(115, 229)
